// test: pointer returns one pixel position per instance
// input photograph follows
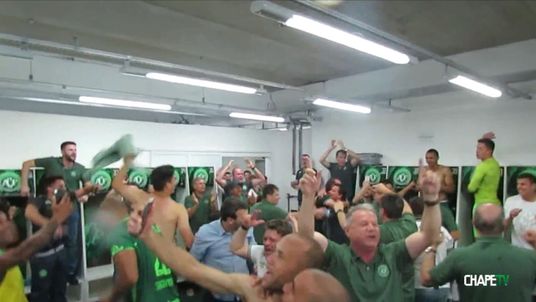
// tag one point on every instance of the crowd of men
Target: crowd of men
(342, 245)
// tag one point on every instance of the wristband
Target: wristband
(430, 203)
(244, 228)
(339, 211)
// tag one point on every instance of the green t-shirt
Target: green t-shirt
(268, 212)
(489, 256)
(395, 230)
(53, 166)
(202, 214)
(485, 182)
(155, 280)
(380, 280)
(447, 217)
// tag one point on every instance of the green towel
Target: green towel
(117, 151)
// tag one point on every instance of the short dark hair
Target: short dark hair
(527, 175)
(417, 205)
(341, 151)
(66, 143)
(306, 154)
(229, 208)
(331, 182)
(342, 191)
(269, 189)
(392, 205)
(160, 176)
(488, 143)
(281, 226)
(434, 151)
(47, 182)
(231, 185)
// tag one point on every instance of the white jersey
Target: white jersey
(525, 221)
(441, 254)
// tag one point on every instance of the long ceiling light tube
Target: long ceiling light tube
(341, 105)
(200, 83)
(257, 117)
(476, 86)
(124, 103)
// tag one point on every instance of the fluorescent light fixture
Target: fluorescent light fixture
(257, 117)
(347, 39)
(341, 106)
(476, 86)
(200, 83)
(124, 103)
(55, 101)
(278, 129)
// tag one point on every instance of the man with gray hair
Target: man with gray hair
(201, 205)
(490, 269)
(371, 271)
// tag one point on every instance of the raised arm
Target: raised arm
(132, 193)
(27, 248)
(430, 184)
(259, 177)
(361, 194)
(306, 220)
(354, 157)
(184, 264)
(238, 243)
(220, 174)
(25, 170)
(406, 189)
(323, 158)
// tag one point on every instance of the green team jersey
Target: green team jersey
(53, 166)
(155, 280)
(202, 214)
(268, 212)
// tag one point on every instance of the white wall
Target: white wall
(451, 123)
(31, 135)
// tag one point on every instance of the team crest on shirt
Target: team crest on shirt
(73, 173)
(383, 271)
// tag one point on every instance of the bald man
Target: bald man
(313, 285)
(488, 270)
(293, 254)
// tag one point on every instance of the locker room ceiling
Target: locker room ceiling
(224, 36)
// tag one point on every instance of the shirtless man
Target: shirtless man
(288, 277)
(447, 187)
(172, 216)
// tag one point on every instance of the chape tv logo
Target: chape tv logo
(486, 280)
